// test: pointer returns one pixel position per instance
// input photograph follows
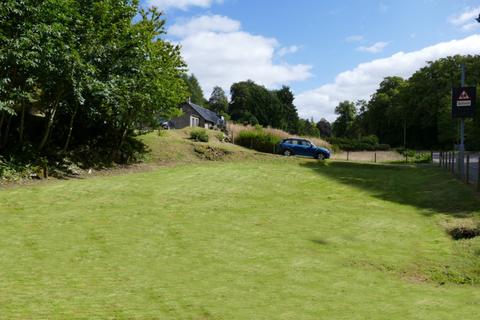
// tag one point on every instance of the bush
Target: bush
(12, 170)
(199, 135)
(416, 156)
(367, 143)
(258, 140)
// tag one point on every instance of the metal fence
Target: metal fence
(449, 160)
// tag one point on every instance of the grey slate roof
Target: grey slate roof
(205, 113)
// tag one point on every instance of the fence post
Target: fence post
(453, 162)
(431, 156)
(406, 158)
(450, 168)
(478, 174)
(467, 169)
(441, 159)
(348, 153)
(375, 157)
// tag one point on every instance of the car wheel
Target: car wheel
(319, 156)
(287, 153)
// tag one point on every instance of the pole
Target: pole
(467, 169)
(478, 174)
(461, 147)
(453, 162)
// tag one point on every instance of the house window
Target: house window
(194, 121)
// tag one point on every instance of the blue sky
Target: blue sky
(326, 51)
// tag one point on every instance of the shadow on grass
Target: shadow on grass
(424, 187)
(319, 241)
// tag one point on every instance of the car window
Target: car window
(294, 142)
(304, 143)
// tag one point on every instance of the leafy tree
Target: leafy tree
(386, 111)
(252, 102)
(83, 74)
(308, 128)
(195, 91)
(346, 115)
(218, 101)
(286, 97)
(324, 127)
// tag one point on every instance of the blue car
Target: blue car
(302, 147)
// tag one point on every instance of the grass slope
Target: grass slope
(270, 239)
(175, 146)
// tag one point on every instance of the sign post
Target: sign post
(463, 106)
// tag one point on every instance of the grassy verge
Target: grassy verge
(266, 239)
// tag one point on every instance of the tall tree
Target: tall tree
(87, 65)
(346, 112)
(324, 127)
(218, 101)
(195, 91)
(290, 114)
(255, 103)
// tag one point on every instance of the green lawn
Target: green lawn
(270, 239)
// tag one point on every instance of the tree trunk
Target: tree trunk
(46, 134)
(51, 118)
(70, 129)
(22, 123)
(7, 131)
(2, 118)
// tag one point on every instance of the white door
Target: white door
(194, 121)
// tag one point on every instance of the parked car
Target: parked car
(303, 147)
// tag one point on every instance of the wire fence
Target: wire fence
(469, 173)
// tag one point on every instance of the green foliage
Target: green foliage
(419, 107)
(414, 156)
(324, 128)
(12, 169)
(255, 104)
(346, 116)
(218, 101)
(199, 134)
(307, 128)
(367, 143)
(259, 140)
(194, 90)
(77, 74)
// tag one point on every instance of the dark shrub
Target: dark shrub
(199, 135)
(367, 143)
(258, 140)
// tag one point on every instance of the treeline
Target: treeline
(416, 111)
(82, 76)
(256, 105)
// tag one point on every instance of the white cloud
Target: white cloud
(213, 23)
(181, 4)
(466, 20)
(375, 48)
(219, 53)
(287, 50)
(354, 38)
(362, 81)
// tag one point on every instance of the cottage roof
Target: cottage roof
(205, 113)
